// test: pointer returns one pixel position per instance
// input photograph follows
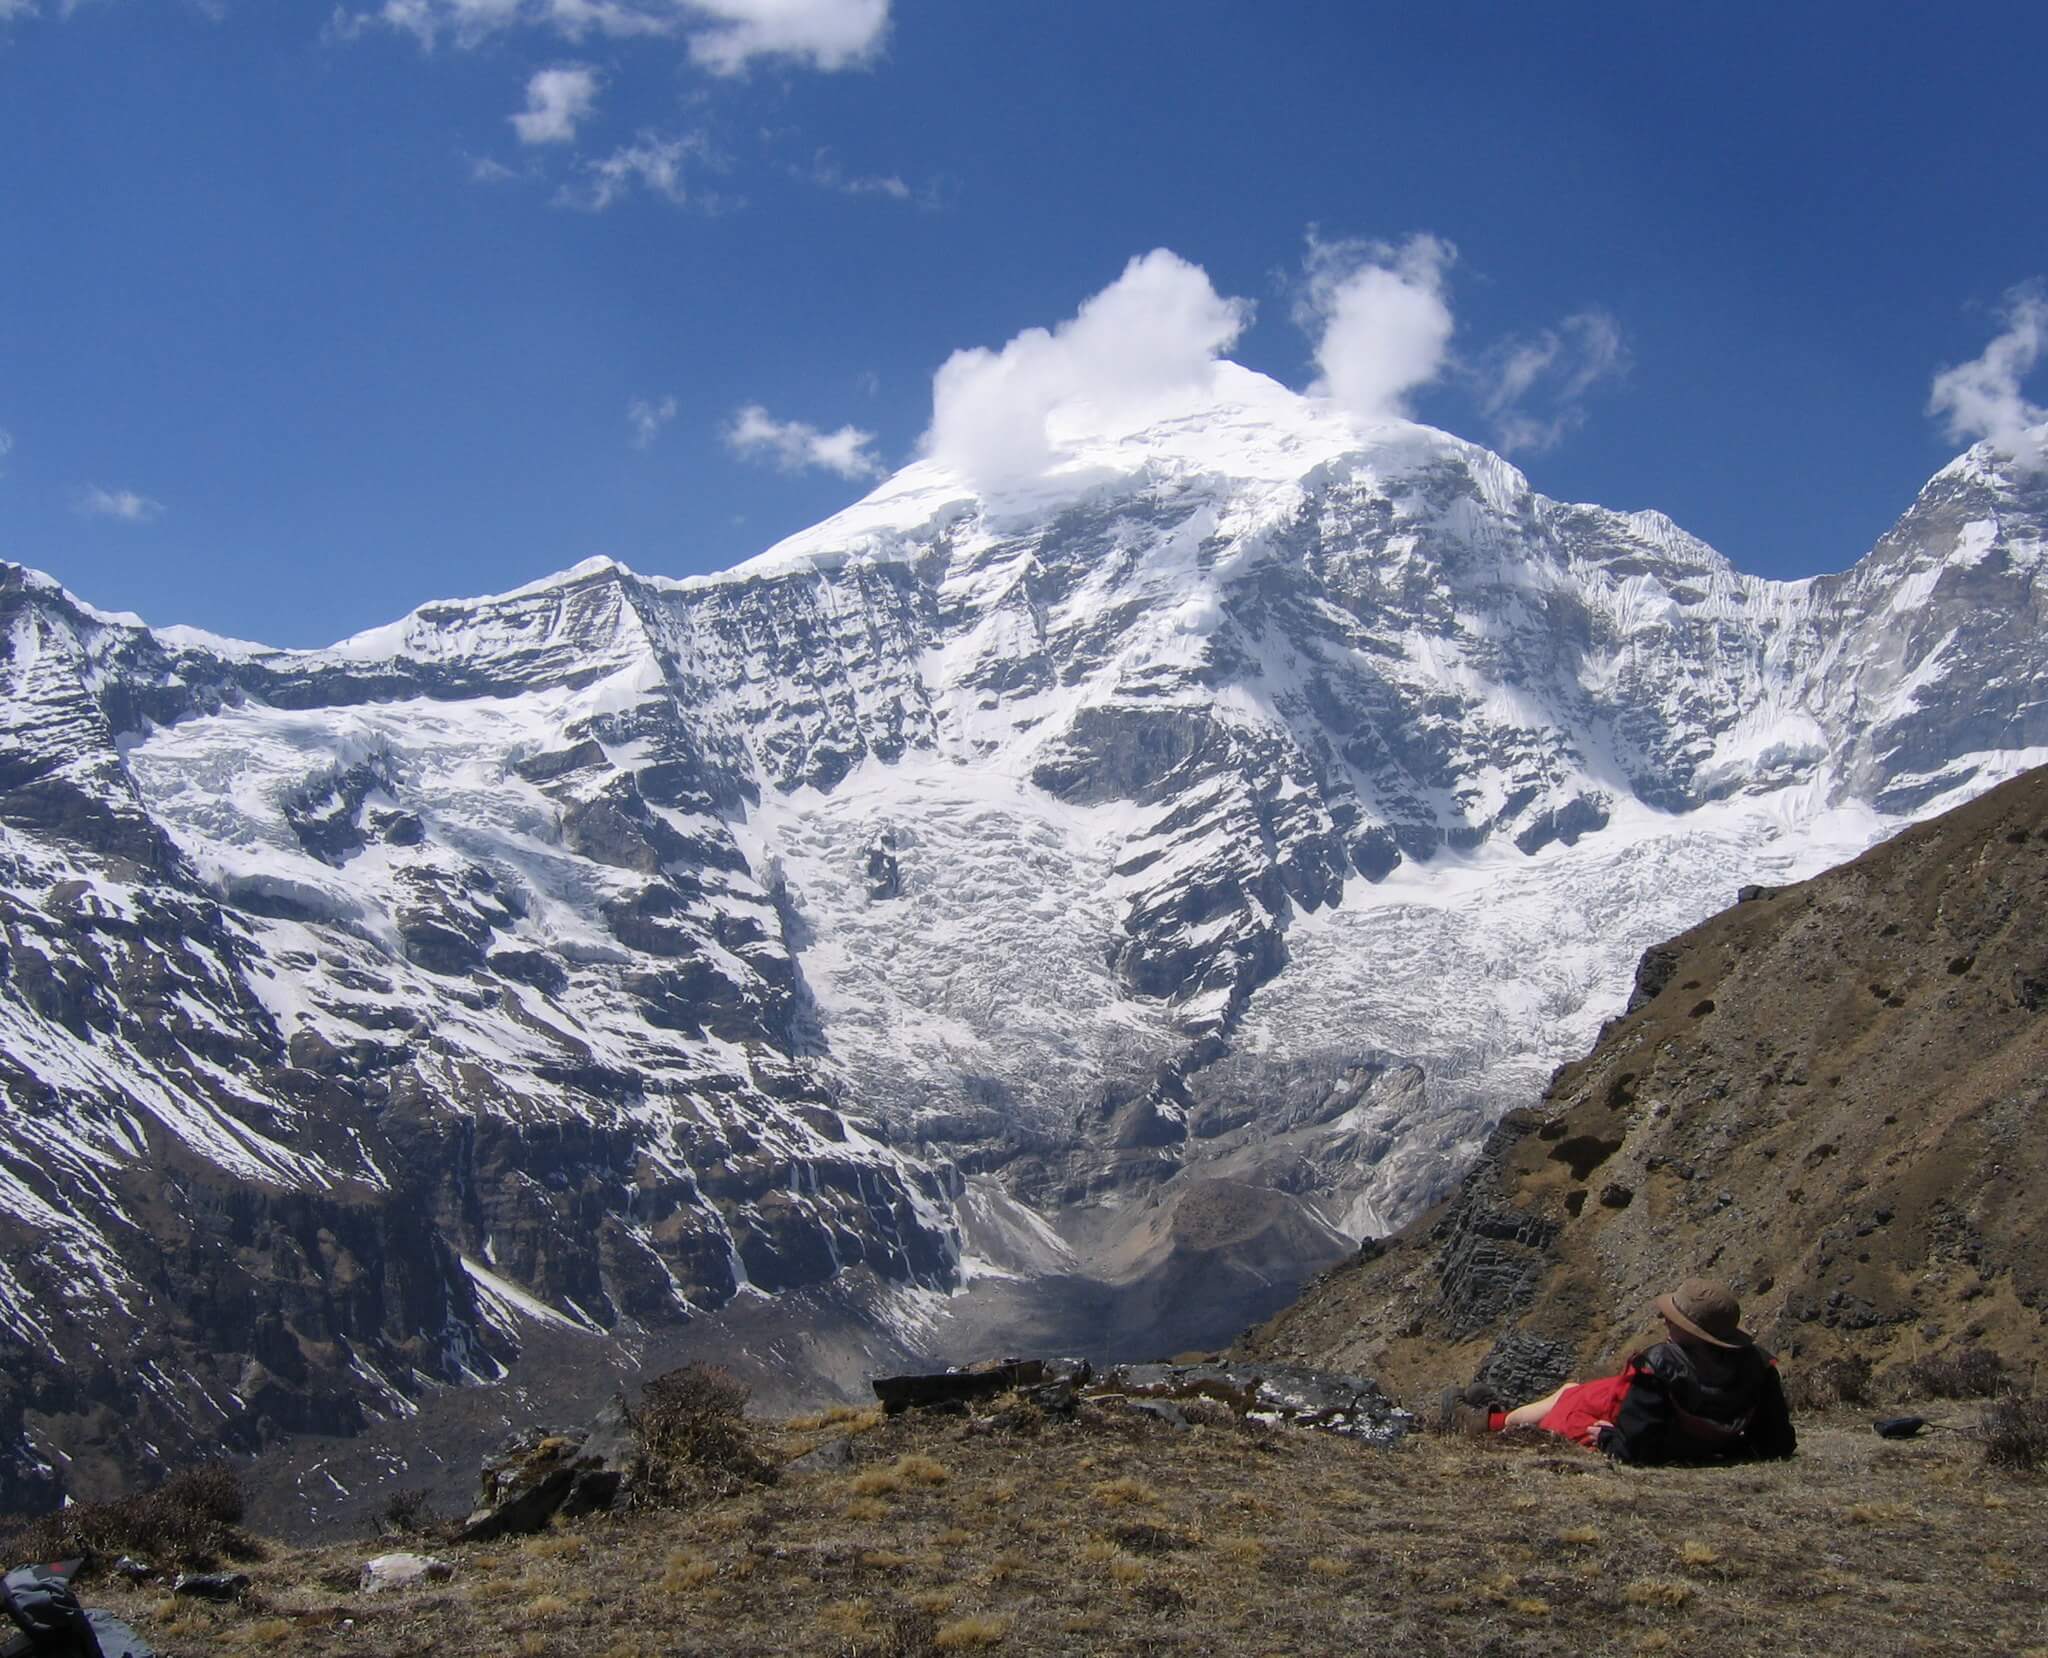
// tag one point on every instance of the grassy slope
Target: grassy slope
(1113, 1534)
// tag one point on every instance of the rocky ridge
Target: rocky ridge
(1830, 1095)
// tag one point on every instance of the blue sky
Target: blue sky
(309, 314)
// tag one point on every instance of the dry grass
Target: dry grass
(1278, 1542)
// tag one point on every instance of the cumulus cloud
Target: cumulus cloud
(1982, 398)
(724, 36)
(10, 10)
(1532, 390)
(797, 446)
(6, 443)
(652, 162)
(1380, 320)
(827, 34)
(557, 101)
(647, 417)
(1156, 330)
(123, 505)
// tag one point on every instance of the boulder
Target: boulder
(402, 1570)
(535, 1476)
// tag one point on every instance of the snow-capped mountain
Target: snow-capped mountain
(1183, 855)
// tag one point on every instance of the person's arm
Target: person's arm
(1638, 1431)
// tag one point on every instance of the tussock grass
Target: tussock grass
(1126, 1492)
(966, 1633)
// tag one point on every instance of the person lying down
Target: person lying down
(1706, 1393)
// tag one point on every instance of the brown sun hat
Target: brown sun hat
(1706, 1308)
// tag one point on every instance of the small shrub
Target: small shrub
(408, 1513)
(1125, 1492)
(694, 1437)
(1653, 1591)
(1698, 1554)
(1842, 1380)
(193, 1519)
(1967, 1373)
(2014, 1433)
(1209, 1413)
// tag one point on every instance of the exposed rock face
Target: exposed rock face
(1836, 1102)
(972, 885)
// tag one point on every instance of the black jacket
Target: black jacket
(1692, 1404)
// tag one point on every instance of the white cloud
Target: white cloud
(1553, 371)
(556, 101)
(827, 174)
(652, 162)
(797, 446)
(11, 10)
(724, 36)
(1982, 398)
(1158, 329)
(827, 34)
(6, 443)
(122, 504)
(1381, 322)
(648, 417)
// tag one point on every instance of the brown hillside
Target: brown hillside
(1831, 1095)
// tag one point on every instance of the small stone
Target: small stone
(1161, 1410)
(834, 1453)
(135, 1571)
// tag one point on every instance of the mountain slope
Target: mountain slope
(932, 903)
(1831, 1095)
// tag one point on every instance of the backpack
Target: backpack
(46, 1613)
